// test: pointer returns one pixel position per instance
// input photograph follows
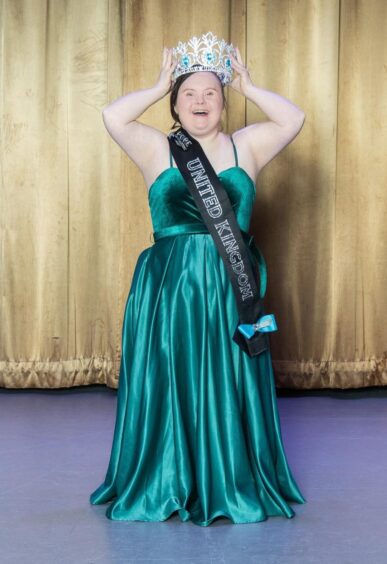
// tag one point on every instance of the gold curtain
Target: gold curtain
(74, 211)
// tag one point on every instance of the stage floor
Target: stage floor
(54, 449)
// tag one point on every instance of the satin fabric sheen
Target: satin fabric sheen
(197, 427)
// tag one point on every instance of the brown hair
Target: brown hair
(173, 97)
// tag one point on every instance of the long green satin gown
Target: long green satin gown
(197, 427)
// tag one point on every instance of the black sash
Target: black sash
(215, 208)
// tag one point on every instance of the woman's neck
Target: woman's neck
(209, 141)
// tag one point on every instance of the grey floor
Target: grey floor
(54, 448)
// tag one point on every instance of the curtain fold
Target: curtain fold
(74, 212)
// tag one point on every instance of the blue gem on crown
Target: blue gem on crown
(205, 53)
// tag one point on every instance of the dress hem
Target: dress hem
(184, 516)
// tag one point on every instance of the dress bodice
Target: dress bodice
(171, 202)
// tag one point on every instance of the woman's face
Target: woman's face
(199, 103)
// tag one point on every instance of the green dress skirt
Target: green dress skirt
(197, 428)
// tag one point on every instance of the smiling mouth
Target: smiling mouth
(200, 113)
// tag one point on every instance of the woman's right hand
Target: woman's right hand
(168, 65)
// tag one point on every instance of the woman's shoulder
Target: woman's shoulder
(243, 148)
(240, 135)
(240, 138)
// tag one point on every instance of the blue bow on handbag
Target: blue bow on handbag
(264, 324)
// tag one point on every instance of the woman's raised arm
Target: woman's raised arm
(264, 140)
(141, 142)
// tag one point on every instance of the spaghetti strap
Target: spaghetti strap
(235, 151)
(170, 159)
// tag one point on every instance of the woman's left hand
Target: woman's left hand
(241, 80)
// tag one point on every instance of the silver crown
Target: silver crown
(205, 53)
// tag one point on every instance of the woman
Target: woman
(197, 428)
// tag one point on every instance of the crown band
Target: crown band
(205, 53)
